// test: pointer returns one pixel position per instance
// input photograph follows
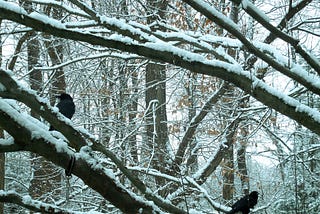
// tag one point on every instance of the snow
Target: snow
(2, 88)
(217, 13)
(247, 4)
(86, 154)
(47, 20)
(27, 199)
(126, 40)
(224, 41)
(13, 7)
(123, 26)
(6, 142)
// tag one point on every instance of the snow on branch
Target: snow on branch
(27, 202)
(42, 107)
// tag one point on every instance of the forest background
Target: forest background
(181, 106)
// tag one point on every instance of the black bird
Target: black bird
(244, 204)
(65, 106)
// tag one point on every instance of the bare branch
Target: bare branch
(214, 162)
(195, 122)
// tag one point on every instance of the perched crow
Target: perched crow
(65, 106)
(245, 203)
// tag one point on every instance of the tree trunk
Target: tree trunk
(192, 162)
(241, 160)
(157, 130)
(133, 108)
(157, 133)
(228, 164)
(228, 174)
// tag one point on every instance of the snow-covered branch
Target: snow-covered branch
(27, 202)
